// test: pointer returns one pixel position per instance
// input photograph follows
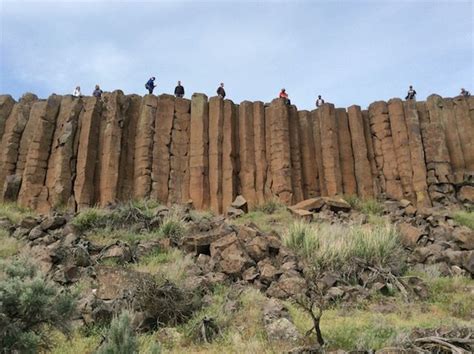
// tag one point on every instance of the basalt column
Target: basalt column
(144, 147)
(309, 167)
(160, 171)
(296, 174)
(384, 150)
(280, 151)
(89, 123)
(6, 106)
(465, 125)
(362, 168)
(346, 158)
(260, 150)
(179, 162)
(110, 148)
(417, 154)
(33, 193)
(10, 141)
(438, 162)
(401, 146)
(230, 154)
(318, 152)
(247, 153)
(127, 157)
(330, 150)
(371, 154)
(199, 151)
(216, 135)
(61, 169)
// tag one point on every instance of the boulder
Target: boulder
(240, 203)
(35, 233)
(234, 212)
(119, 252)
(409, 234)
(464, 237)
(301, 214)
(234, 260)
(52, 222)
(337, 204)
(267, 271)
(286, 287)
(250, 274)
(11, 188)
(257, 248)
(466, 194)
(282, 329)
(312, 204)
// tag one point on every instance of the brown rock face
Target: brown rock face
(199, 152)
(81, 152)
(362, 168)
(346, 158)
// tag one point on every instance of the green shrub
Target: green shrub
(173, 225)
(336, 247)
(270, 206)
(9, 246)
(13, 212)
(367, 206)
(30, 308)
(465, 218)
(121, 339)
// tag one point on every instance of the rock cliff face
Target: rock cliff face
(70, 152)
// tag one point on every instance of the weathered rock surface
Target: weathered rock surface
(75, 153)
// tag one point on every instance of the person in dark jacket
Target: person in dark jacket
(465, 93)
(179, 90)
(411, 95)
(150, 85)
(97, 92)
(221, 91)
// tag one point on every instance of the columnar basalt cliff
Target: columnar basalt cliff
(79, 152)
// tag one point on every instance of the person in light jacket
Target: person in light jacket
(77, 92)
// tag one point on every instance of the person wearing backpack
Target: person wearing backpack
(319, 101)
(150, 85)
(179, 90)
(465, 93)
(411, 95)
(221, 91)
(97, 92)
(284, 95)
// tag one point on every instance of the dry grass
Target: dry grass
(9, 246)
(465, 218)
(13, 212)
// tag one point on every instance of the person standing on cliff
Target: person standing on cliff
(284, 95)
(150, 85)
(77, 92)
(465, 93)
(411, 95)
(319, 101)
(97, 92)
(179, 90)
(221, 91)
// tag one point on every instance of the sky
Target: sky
(350, 52)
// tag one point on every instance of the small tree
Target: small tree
(121, 339)
(30, 307)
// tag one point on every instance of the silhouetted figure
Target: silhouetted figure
(284, 95)
(319, 101)
(97, 92)
(179, 90)
(150, 85)
(77, 92)
(465, 93)
(411, 95)
(221, 91)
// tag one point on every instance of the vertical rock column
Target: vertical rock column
(280, 151)
(127, 156)
(330, 150)
(346, 158)
(33, 193)
(465, 127)
(199, 152)
(260, 151)
(362, 168)
(438, 161)
(10, 141)
(247, 153)
(59, 179)
(144, 147)
(295, 145)
(179, 162)
(160, 171)
(318, 152)
(417, 155)
(308, 165)
(216, 135)
(371, 154)
(401, 146)
(89, 123)
(230, 154)
(384, 151)
(110, 149)
(268, 154)
(6, 106)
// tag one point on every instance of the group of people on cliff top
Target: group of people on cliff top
(179, 92)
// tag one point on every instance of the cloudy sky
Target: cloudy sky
(351, 52)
